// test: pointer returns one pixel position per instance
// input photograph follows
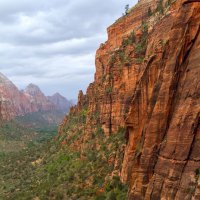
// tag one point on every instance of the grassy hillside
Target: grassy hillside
(60, 169)
(42, 119)
(21, 132)
(23, 142)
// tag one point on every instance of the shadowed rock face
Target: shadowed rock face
(150, 84)
(190, 1)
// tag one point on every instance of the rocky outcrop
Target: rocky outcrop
(147, 80)
(60, 102)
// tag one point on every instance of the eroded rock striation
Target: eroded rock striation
(148, 80)
(162, 154)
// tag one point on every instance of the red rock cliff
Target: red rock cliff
(162, 155)
(147, 80)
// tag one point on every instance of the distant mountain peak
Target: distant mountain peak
(60, 101)
(32, 86)
(57, 94)
(32, 89)
(15, 102)
(4, 79)
(2, 76)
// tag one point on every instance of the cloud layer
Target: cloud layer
(52, 43)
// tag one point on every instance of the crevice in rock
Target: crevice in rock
(180, 67)
(191, 1)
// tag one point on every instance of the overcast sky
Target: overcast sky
(52, 43)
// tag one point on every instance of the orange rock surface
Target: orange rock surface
(150, 83)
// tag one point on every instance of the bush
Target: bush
(127, 9)
(197, 171)
(160, 8)
(141, 46)
(130, 40)
(109, 90)
(114, 190)
(140, 60)
(168, 3)
(112, 60)
(150, 12)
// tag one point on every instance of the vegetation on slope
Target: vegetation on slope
(26, 130)
(66, 171)
(20, 144)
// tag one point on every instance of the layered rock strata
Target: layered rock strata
(147, 80)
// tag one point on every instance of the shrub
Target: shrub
(103, 78)
(127, 9)
(141, 46)
(140, 60)
(122, 56)
(99, 131)
(130, 40)
(160, 8)
(150, 12)
(112, 60)
(132, 37)
(114, 190)
(109, 90)
(168, 3)
(197, 171)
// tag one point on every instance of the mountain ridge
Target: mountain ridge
(18, 103)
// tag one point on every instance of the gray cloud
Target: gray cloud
(52, 43)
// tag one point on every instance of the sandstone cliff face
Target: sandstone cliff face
(162, 155)
(147, 80)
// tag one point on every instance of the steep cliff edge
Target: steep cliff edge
(147, 80)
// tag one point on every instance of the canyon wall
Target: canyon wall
(148, 80)
(162, 154)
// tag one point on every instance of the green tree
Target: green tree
(160, 8)
(127, 9)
